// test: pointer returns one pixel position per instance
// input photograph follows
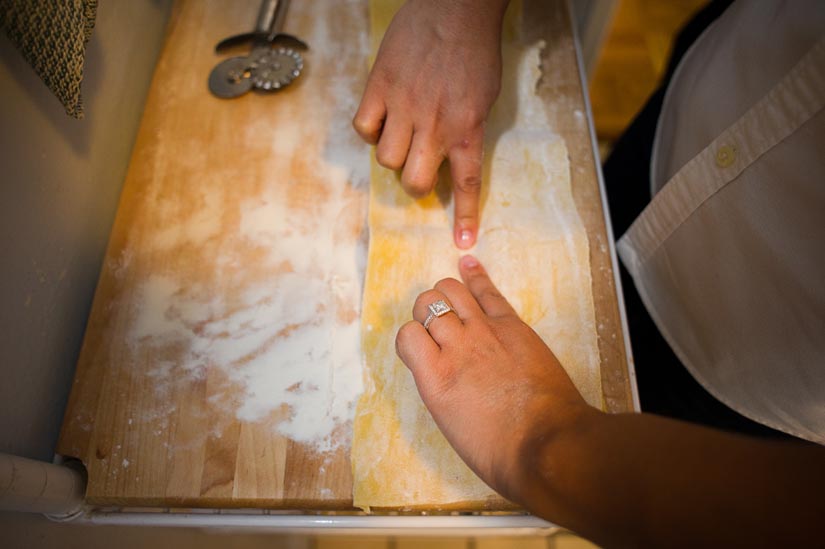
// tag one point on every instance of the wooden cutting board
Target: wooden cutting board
(155, 427)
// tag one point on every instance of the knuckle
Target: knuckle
(476, 119)
(382, 75)
(473, 117)
(424, 299)
(388, 159)
(446, 284)
(360, 124)
(441, 378)
(402, 337)
(436, 384)
(418, 185)
(364, 127)
(470, 184)
(491, 293)
(428, 295)
(444, 380)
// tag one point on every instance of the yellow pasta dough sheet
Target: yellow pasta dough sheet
(535, 248)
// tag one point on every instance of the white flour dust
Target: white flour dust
(289, 340)
(255, 294)
(284, 328)
(278, 345)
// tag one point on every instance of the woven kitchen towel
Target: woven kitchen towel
(52, 36)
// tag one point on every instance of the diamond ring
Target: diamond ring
(438, 308)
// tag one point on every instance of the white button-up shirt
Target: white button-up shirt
(729, 256)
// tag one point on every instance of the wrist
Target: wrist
(493, 10)
(550, 453)
(466, 16)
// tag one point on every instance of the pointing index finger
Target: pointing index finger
(478, 282)
(465, 168)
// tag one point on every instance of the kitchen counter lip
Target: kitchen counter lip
(483, 524)
(611, 238)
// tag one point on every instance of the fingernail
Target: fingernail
(469, 262)
(465, 238)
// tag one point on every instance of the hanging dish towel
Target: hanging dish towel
(52, 36)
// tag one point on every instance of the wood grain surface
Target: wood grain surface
(561, 87)
(149, 444)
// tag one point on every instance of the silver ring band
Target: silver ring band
(437, 309)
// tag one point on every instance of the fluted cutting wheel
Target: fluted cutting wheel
(274, 69)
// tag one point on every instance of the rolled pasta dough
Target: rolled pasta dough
(535, 248)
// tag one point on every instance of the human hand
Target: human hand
(493, 387)
(435, 78)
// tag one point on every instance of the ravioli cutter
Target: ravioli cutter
(273, 63)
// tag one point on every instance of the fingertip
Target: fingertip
(465, 236)
(469, 266)
(468, 262)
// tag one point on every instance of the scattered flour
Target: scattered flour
(292, 339)
(284, 331)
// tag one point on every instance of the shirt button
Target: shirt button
(725, 156)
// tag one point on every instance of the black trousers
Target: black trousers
(665, 386)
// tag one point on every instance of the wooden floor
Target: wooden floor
(633, 59)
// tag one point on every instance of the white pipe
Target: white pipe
(39, 487)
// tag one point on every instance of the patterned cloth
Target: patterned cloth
(52, 36)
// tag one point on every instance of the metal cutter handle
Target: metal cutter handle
(271, 17)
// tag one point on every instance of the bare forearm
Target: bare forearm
(642, 480)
